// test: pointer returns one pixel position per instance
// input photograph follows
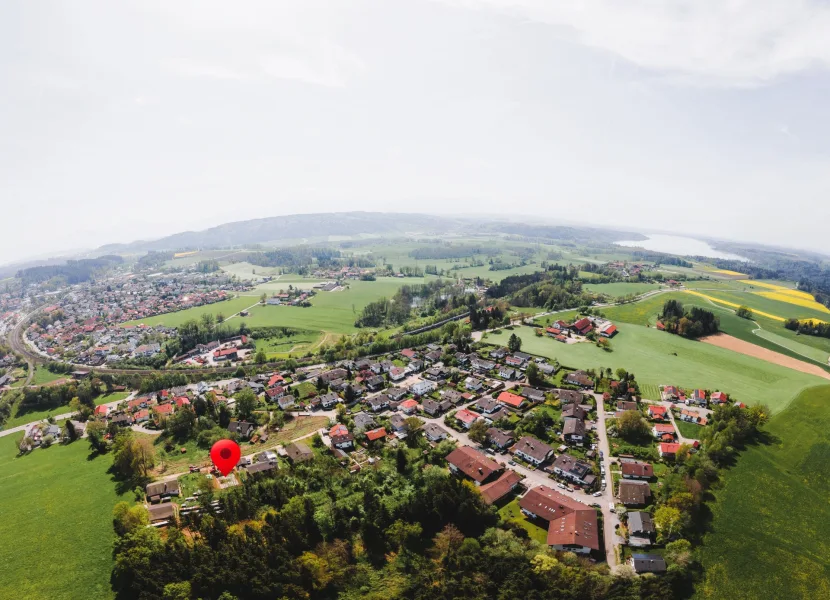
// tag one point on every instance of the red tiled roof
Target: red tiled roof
(338, 429)
(638, 469)
(664, 428)
(657, 411)
(510, 399)
(473, 463)
(376, 434)
(496, 490)
(669, 448)
(164, 409)
(408, 404)
(466, 416)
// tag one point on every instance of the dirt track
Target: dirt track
(732, 343)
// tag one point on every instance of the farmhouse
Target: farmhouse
(532, 450)
(161, 513)
(260, 467)
(162, 489)
(572, 525)
(473, 464)
(583, 326)
(634, 493)
(498, 489)
(608, 330)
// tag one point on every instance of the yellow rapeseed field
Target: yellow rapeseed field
(797, 300)
(183, 254)
(778, 288)
(728, 272)
(733, 305)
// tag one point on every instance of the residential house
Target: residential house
(501, 413)
(101, 410)
(569, 396)
(531, 450)
(473, 384)
(511, 400)
(162, 489)
(498, 489)
(670, 393)
(340, 437)
(634, 469)
(657, 412)
(548, 369)
(573, 469)
(398, 422)
(641, 529)
(473, 464)
(452, 396)
(647, 563)
(298, 452)
(376, 383)
(397, 373)
(718, 398)
(376, 434)
(396, 393)
(243, 429)
(515, 362)
(415, 365)
(522, 356)
(574, 411)
(434, 432)
(378, 403)
(286, 402)
(329, 400)
(433, 357)
(533, 394)
(260, 467)
(409, 353)
(634, 493)
(467, 417)
(624, 405)
(329, 376)
(486, 405)
(162, 513)
(363, 421)
(573, 431)
(500, 438)
(482, 366)
(668, 449)
(433, 408)
(572, 526)
(692, 416)
(508, 373)
(123, 419)
(579, 378)
(499, 353)
(698, 397)
(409, 407)
(663, 431)
(141, 416)
(423, 387)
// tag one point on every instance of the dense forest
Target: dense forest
(404, 528)
(555, 288)
(435, 297)
(74, 271)
(692, 323)
(660, 258)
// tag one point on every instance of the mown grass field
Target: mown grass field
(225, 308)
(56, 527)
(656, 357)
(281, 347)
(770, 532)
(688, 430)
(616, 290)
(43, 376)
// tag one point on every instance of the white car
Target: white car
(597, 494)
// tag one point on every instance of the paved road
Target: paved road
(610, 520)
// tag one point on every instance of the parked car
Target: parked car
(511, 462)
(597, 494)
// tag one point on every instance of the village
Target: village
(548, 455)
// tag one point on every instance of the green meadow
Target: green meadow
(658, 358)
(615, 290)
(56, 531)
(770, 531)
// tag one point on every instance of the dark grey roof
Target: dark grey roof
(648, 563)
(640, 522)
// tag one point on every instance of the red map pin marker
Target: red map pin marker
(225, 454)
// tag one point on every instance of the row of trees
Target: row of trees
(809, 327)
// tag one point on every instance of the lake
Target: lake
(681, 246)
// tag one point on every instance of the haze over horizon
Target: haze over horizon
(135, 120)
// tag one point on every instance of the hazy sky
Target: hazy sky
(121, 120)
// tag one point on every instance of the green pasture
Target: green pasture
(43, 375)
(688, 430)
(657, 357)
(18, 418)
(56, 532)
(280, 347)
(615, 290)
(770, 532)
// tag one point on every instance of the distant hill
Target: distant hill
(292, 229)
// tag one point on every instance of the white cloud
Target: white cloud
(705, 42)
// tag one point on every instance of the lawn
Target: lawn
(512, 512)
(771, 521)
(281, 347)
(656, 357)
(616, 290)
(226, 308)
(43, 375)
(56, 531)
(688, 430)
(17, 419)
